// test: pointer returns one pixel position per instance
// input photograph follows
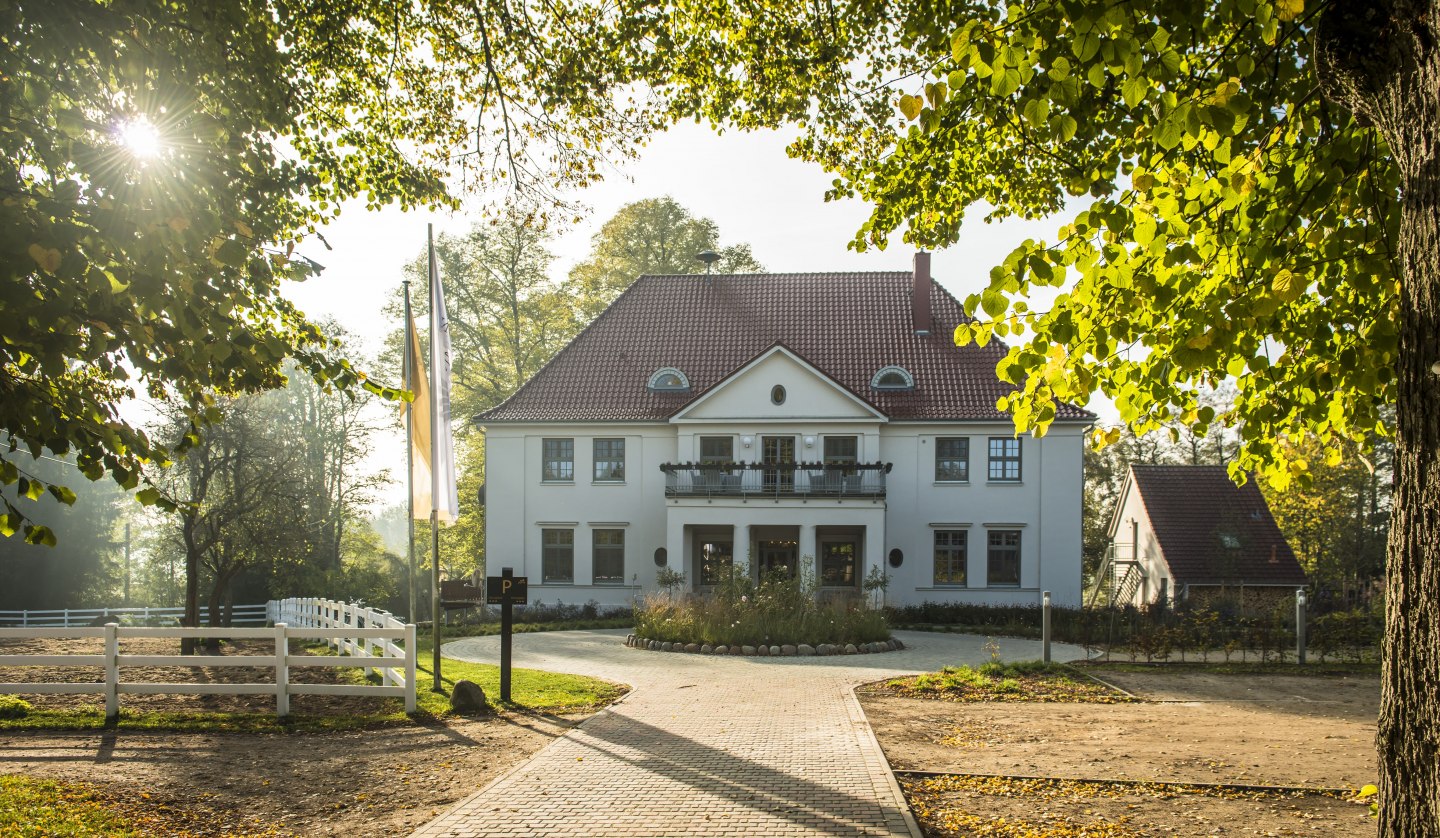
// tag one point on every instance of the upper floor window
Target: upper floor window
(893, 378)
(952, 459)
(557, 459)
(1005, 458)
(669, 379)
(609, 460)
(841, 450)
(717, 449)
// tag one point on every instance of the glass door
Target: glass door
(778, 451)
(778, 555)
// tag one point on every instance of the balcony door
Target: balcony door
(778, 451)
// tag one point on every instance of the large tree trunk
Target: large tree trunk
(1382, 61)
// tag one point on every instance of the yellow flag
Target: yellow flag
(417, 413)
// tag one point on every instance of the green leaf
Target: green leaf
(1133, 91)
(62, 494)
(148, 496)
(910, 106)
(1085, 45)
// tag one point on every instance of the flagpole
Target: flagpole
(408, 376)
(434, 470)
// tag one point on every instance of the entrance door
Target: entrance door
(778, 451)
(778, 555)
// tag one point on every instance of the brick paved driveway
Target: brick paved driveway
(708, 746)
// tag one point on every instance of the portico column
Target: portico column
(807, 549)
(740, 550)
(874, 554)
(674, 543)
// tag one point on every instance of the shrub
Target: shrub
(738, 612)
(13, 707)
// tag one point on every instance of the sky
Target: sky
(744, 182)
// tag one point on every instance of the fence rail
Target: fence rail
(355, 631)
(240, 615)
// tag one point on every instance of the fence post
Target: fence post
(112, 672)
(1045, 624)
(411, 654)
(66, 618)
(282, 671)
(1300, 620)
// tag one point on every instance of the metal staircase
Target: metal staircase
(1118, 580)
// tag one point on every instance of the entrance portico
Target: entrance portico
(835, 543)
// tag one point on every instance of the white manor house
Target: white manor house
(820, 423)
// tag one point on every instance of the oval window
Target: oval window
(661, 557)
(896, 557)
(777, 394)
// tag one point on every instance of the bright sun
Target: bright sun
(141, 138)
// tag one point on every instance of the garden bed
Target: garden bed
(788, 650)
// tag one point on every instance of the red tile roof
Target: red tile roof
(848, 325)
(1193, 508)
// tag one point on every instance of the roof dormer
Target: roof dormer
(893, 378)
(668, 380)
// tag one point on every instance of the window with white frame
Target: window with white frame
(609, 460)
(842, 451)
(557, 557)
(950, 557)
(607, 552)
(717, 449)
(557, 460)
(1003, 562)
(1005, 459)
(952, 459)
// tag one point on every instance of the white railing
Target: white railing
(240, 615)
(396, 664)
(354, 630)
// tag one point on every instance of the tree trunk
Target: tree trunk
(192, 583)
(1382, 61)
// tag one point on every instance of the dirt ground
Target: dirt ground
(1194, 727)
(381, 781)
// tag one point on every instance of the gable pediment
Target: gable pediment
(749, 394)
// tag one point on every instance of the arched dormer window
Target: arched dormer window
(893, 378)
(668, 380)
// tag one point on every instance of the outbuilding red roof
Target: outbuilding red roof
(1212, 531)
(847, 325)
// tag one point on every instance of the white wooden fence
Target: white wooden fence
(353, 630)
(241, 615)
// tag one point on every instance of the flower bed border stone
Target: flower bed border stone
(802, 650)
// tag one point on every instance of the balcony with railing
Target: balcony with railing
(775, 480)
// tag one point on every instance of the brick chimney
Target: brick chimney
(920, 295)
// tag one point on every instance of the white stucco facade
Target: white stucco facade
(941, 540)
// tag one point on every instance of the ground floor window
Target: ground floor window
(608, 554)
(837, 564)
(1003, 566)
(950, 557)
(716, 560)
(557, 557)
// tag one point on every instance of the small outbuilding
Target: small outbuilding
(1188, 534)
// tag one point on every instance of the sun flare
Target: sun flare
(141, 138)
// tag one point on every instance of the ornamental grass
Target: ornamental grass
(776, 611)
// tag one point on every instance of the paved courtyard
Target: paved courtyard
(708, 746)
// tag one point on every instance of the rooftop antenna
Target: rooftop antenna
(709, 257)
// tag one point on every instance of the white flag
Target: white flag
(444, 494)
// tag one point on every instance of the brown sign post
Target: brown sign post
(506, 590)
